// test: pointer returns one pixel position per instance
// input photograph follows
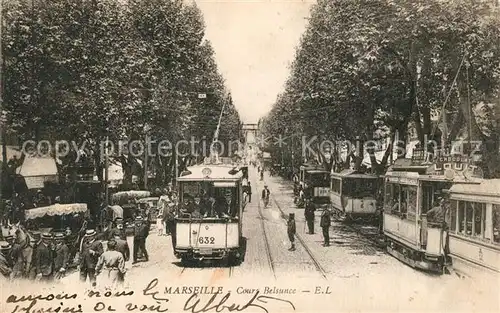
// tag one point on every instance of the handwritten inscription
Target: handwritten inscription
(218, 304)
(28, 303)
(154, 299)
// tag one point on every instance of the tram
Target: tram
(316, 183)
(355, 196)
(208, 222)
(412, 188)
(474, 227)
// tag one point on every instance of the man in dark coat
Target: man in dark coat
(265, 196)
(249, 192)
(44, 259)
(89, 255)
(31, 255)
(122, 247)
(141, 233)
(325, 226)
(117, 230)
(291, 230)
(61, 256)
(309, 215)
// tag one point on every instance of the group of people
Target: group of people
(41, 257)
(325, 223)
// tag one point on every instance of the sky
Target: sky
(254, 43)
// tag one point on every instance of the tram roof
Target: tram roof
(353, 174)
(487, 187)
(217, 173)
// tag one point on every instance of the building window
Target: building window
(496, 223)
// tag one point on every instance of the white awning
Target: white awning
(56, 209)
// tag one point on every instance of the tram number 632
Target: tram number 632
(207, 240)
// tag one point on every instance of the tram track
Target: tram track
(315, 261)
(357, 228)
(266, 241)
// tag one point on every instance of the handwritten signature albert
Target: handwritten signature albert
(217, 303)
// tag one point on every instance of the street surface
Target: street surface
(360, 275)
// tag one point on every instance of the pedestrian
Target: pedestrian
(5, 268)
(159, 222)
(265, 196)
(89, 255)
(291, 230)
(122, 247)
(44, 259)
(325, 226)
(61, 256)
(112, 264)
(309, 216)
(249, 192)
(31, 261)
(141, 232)
(118, 229)
(16, 258)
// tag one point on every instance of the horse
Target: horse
(23, 251)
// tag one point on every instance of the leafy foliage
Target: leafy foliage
(91, 70)
(369, 69)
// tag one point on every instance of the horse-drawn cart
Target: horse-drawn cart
(60, 218)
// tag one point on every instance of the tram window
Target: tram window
(453, 215)
(412, 202)
(479, 215)
(496, 223)
(427, 202)
(392, 197)
(469, 212)
(461, 217)
(336, 185)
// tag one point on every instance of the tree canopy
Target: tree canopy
(85, 71)
(371, 69)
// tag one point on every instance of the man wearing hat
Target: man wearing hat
(309, 216)
(325, 223)
(61, 256)
(90, 252)
(140, 234)
(291, 230)
(118, 229)
(44, 259)
(122, 247)
(30, 252)
(5, 268)
(265, 196)
(113, 263)
(437, 213)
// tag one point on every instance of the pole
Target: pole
(106, 174)
(3, 121)
(146, 164)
